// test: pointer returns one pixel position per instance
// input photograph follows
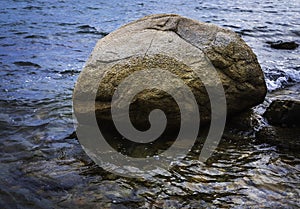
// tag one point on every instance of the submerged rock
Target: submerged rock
(178, 45)
(287, 138)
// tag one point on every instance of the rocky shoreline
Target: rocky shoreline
(276, 121)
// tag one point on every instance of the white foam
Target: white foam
(289, 75)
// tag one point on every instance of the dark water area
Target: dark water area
(43, 47)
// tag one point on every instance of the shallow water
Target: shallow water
(43, 47)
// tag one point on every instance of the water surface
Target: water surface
(43, 47)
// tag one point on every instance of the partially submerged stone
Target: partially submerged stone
(283, 113)
(178, 45)
(288, 45)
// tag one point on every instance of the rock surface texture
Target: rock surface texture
(178, 45)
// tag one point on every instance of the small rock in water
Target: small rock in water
(283, 117)
(283, 113)
(27, 64)
(283, 45)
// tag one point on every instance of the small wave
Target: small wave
(90, 30)
(273, 85)
(247, 10)
(271, 11)
(33, 8)
(36, 123)
(20, 33)
(71, 72)
(35, 37)
(6, 45)
(280, 79)
(86, 27)
(93, 8)
(231, 26)
(246, 32)
(296, 32)
(67, 24)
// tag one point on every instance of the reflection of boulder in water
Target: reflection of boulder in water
(135, 149)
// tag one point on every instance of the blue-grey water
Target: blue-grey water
(43, 47)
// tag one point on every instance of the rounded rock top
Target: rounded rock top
(181, 46)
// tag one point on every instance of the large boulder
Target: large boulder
(178, 45)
